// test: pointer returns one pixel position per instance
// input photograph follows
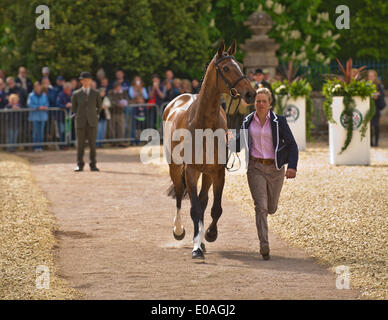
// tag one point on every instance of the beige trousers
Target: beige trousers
(265, 183)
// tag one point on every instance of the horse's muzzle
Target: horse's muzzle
(250, 97)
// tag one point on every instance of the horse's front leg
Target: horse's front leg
(203, 199)
(192, 176)
(216, 211)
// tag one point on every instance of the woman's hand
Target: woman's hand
(290, 173)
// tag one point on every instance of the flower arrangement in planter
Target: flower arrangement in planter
(348, 86)
(294, 87)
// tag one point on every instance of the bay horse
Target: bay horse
(203, 111)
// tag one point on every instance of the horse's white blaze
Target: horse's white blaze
(178, 228)
(199, 238)
(237, 65)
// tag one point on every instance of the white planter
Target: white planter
(358, 151)
(295, 112)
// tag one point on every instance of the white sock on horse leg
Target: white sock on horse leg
(178, 228)
(199, 238)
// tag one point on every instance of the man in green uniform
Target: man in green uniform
(86, 104)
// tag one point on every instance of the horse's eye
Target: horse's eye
(226, 69)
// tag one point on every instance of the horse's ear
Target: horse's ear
(232, 48)
(221, 49)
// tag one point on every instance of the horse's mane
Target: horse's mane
(204, 74)
(205, 69)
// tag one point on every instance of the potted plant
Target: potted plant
(347, 97)
(294, 102)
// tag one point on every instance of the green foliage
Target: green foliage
(336, 87)
(108, 33)
(363, 89)
(299, 88)
(8, 43)
(182, 30)
(368, 28)
(303, 33)
(368, 117)
(309, 116)
(327, 110)
(149, 36)
(333, 87)
(139, 36)
(295, 89)
(281, 88)
(349, 108)
(17, 31)
(372, 30)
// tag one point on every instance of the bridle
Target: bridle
(235, 95)
(232, 90)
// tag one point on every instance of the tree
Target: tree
(141, 37)
(183, 32)
(368, 28)
(109, 33)
(17, 31)
(303, 33)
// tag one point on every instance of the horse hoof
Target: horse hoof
(198, 254)
(203, 247)
(180, 237)
(211, 235)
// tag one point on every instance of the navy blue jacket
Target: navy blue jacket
(3, 100)
(285, 147)
(30, 86)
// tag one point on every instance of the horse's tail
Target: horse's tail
(171, 189)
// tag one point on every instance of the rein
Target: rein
(234, 95)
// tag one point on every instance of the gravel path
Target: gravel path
(27, 267)
(115, 239)
(338, 214)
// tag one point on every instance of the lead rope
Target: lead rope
(234, 95)
(235, 154)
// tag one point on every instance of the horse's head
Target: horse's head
(229, 69)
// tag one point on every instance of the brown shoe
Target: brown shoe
(264, 251)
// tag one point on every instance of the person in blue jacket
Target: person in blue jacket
(269, 145)
(63, 101)
(39, 101)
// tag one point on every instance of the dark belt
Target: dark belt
(263, 161)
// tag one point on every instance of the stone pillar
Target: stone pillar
(260, 49)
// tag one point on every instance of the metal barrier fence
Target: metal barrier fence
(55, 126)
(127, 124)
(31, 127)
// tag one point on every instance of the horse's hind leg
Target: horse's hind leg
(179, 186)
(192, 177)
(204, 198)
(218, 186)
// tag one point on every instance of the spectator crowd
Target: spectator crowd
(117, 121)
